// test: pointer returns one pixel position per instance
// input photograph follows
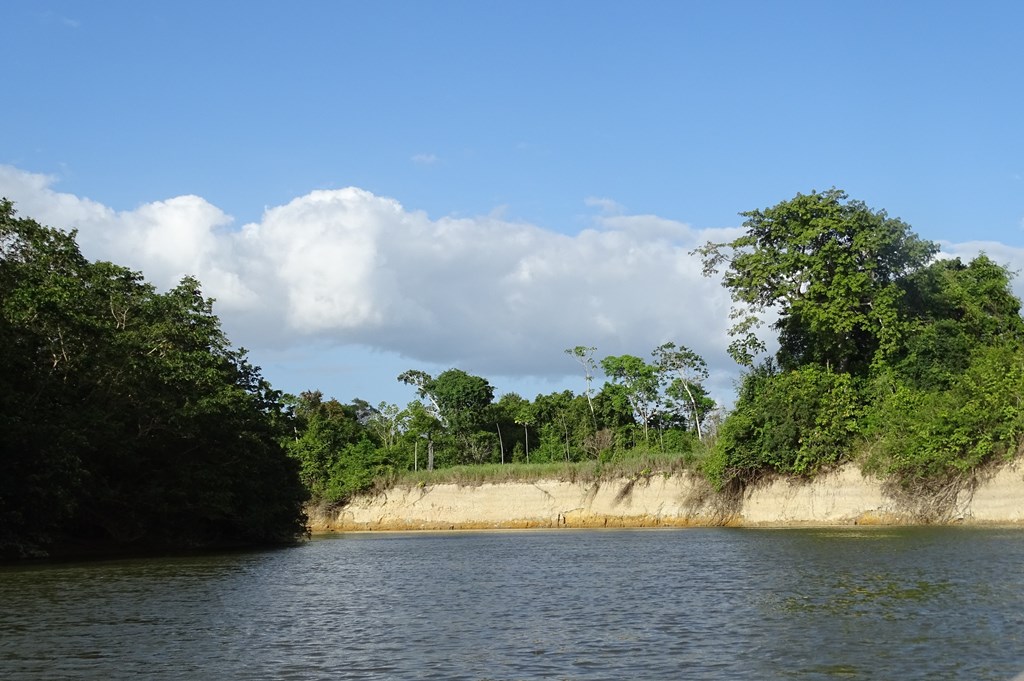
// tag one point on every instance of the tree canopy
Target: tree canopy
(830, 268)
(882, 347)
(126, 418)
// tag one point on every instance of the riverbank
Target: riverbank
(844, 496)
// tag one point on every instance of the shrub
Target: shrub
(916, 433)
(794, 422)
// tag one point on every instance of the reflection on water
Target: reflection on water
(941, 603)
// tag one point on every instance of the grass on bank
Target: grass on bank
(630, 466)
(930, 499)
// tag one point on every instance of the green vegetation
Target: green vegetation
(913, 364)
(128, 420)
(910, 365)
(636, 464)
(457, 433)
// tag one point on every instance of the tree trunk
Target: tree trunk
(593, 414)
(696, 416)
(527, 441)
(501, 443)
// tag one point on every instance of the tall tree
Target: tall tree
(585, 356)
(326, 428)
(423, 424)
(681, 372)
(463, 399)
(525, 418)
(506, 413)
(387, 422)
(640, 382)
(424, 384)
(459, 401)
(829, 267)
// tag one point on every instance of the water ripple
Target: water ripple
(940, 603)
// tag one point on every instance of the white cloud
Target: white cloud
(348, 268)
(605, 205)
(165, 239)
(424, 159)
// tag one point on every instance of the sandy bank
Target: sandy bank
(843, 497)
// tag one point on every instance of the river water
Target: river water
(883, 603)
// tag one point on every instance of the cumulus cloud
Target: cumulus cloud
(165, 239)
(347, 267)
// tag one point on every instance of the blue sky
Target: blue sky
(525, 176)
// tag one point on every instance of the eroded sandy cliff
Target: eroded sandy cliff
(842, 497)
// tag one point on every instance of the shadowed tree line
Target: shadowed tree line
(127, 421)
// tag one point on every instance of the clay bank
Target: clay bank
(845, 496)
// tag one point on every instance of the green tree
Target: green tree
(506, 416)
(927, 435)
(682, 372)
(423, 424)
(830, 268)
(41, 465)
(463, 400)
(324, 429)
(954, 309)
(639, 380)
(616, 420)
(127, 419)
(585, 356)
(919, 359)
(460, 401)
(387, 422)
(793, 422)
(951, 400)
(563, 426)
(424, 384)
(524, 417)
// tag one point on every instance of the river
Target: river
(722, 604)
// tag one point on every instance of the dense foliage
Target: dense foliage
(126, 419)
(347, 448)
(916, 362)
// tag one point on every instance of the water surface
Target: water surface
(940, 603)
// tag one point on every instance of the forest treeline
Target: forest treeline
(128, 419)
(910, 364)
(659, 405)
